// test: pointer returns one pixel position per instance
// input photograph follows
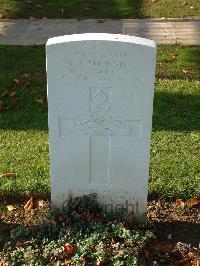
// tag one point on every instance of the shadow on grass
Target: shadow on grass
(136, 8)
(19, 120)
(176, 112)
(172, 111)
(79, 9)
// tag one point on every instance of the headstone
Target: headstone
(100, 98)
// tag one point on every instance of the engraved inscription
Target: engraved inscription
(106, 193)
(109, 65)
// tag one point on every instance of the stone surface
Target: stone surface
(100, 96)
(37, 31)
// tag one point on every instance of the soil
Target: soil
(174, 223)
(176, 227)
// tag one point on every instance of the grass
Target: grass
(175, 164)
(175, 141)
(99, 9)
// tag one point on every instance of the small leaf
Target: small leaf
(1, 105)
(2, 263)
(40, 101)
(20, 244)
(11, 208)
(7, 175)
(26, 75)
(40, 203)
(101, 261)
(12, 94)
(173, 55)
(33, 18)
(51, 222)
(29, 205)
(193, 202)
(169, 237)
(69, 249)
(180, 203)
(163, 247)
(13, 102)
(33, 92)
(16, 80)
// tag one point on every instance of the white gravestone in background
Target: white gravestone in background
(100, 98)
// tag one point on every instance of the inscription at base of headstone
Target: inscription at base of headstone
(100, 98)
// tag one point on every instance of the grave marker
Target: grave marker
(100, 95)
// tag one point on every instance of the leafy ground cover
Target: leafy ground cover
(80, 235)
(35, 234)
(99, 9)
(175, 164)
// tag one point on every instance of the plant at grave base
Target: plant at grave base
(81, 242)
(20, 232)
(27, 256)
(87, 204)
(142, 220)
(121, 213)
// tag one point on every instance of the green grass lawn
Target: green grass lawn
(99, 8)
(175, 164)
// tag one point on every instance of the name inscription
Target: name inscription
(100, 66)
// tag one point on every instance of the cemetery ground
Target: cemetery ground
(99, 9)
(174, 188)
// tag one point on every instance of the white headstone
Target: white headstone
(100, 98)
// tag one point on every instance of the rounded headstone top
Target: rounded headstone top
(101, 37)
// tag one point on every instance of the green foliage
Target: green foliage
(142, 220)
(106, 240)
(19, 232)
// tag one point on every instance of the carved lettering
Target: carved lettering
(102, 66)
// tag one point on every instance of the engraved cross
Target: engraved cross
(100, 127)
